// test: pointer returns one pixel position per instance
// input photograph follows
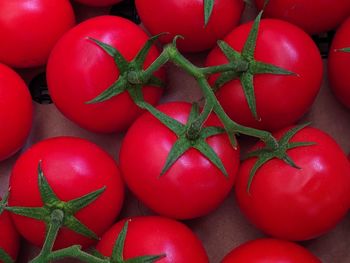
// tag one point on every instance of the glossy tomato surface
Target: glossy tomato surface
(338, 64)
(16, 112)
(30, 29)
(9, 241)
(280, 100)
(193, 186)
(153, 235)
(73, 168)
(298, 204)
(314, 17)
(186, 18)
(98, 2)
(79, 70)
(268, 250)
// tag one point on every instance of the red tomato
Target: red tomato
(9, 240)
(31, 28)
(280, 100)
(338, 64)
(16, 112)
(79, 70)
(271, 251)
(298, 204)
(153, 235)
(73, 168)
(98, 2)
(193, 186)
(186, 18)
(313, 16)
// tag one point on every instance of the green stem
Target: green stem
(55, 224)
(156, 65)
(77, 253)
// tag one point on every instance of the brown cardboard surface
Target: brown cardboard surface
(226, 228)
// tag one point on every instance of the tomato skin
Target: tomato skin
(290, 203)
(73, 167)
(193, 186)
(154, 235)
(79, 70)
(29, 40)
(9, 240)
(270, 250)
(312, 16)
(280, 100)
(16, 112)
(98, 3)
(186, 18)
(338, 63)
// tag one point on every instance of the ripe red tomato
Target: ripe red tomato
(313, 16)
(73, 168)
(271, 251)
(298, 204)
(79, 70)
(9, 240)
(338, 64)
(186, 18)
(193, 186)
(16, 112)
(153, 235)
(98, 2)
(280, 100)
(31, 28)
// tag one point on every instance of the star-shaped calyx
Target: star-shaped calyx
(266, 154)
(191, 135)
(253, 67)
(53, 205)
(4, 257)
(131, 77)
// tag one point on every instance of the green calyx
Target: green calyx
(254, 67)
(208, 9)
(266, 154)
(131, 74)
(346, 50)
(52, 204)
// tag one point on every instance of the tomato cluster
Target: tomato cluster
(181, 160)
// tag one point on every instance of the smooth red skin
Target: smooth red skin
(298, 204)
(280, 100)
(98, 3)
(338, 63)
(31, 28)
(9, 240)
(16, 112)
(154, 235)
(193, 186)
(312, 16)
(186, 18)
(73, 167)
(268, 250)
(78, 71)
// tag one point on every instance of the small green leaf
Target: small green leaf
(155, 82)
(293, 145)
(290, 162)
(39, 213)
(115, 89)
(249, 47)
(208, 9)
(117, 254)
(3, 202)
(145, 259)
(74, 224)
(142, 54)
(4, 257)
(260, 162)
(229, 52)
(224, 78)
(81, 202)
(290, 133)
(248, 88)
(258, 67)
(47, 194)
(347, 49)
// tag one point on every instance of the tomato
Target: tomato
(79, 70)
(31, 28)
(73, 168)
(98, 2)
(270, 250)
(312, 16)
(9, 241)
(193, 186)
(280, 99)
(298, 204)
(16, 112)
(186, 18)
(153, 235)
(338, 62)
